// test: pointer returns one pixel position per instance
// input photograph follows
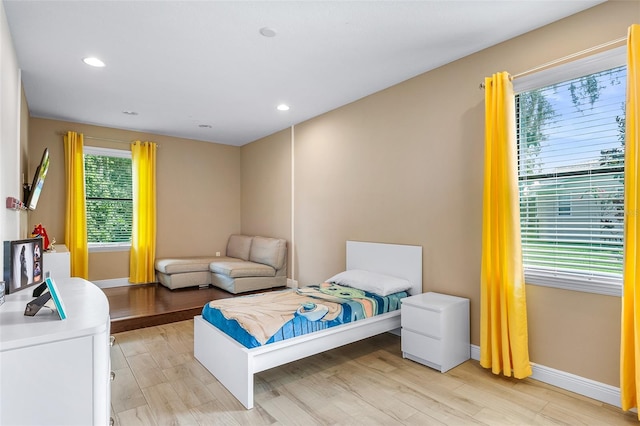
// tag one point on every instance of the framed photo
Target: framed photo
(55, 296)
(23, 264)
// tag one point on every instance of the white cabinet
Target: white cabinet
(57, 263)
(52, 371)
(435, 330)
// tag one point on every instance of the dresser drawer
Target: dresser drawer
(421, 320)
(421, 346)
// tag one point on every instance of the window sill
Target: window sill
(108, 247)
(609, 286)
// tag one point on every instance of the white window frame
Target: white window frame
(108, 152)
(599, 284)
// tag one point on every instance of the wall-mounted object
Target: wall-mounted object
(15, 204)
(34, 190)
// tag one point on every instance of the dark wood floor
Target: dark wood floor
(139, 306)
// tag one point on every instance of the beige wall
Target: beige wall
(405, 166)
(12, 161)
(266, 188)
(198, 186)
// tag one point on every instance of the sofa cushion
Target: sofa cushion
(242, 269)
(269, 251)
(187, 264)
(239, 246)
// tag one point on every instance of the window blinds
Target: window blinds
(109, 198)
(571, 180)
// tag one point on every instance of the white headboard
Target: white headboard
(390, 259)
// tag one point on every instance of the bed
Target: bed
(234, 365)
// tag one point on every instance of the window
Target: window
(570, 131)
(109, 198)
(564, 205)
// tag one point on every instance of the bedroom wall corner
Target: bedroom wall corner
(266, 189)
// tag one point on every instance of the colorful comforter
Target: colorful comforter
(260, 319)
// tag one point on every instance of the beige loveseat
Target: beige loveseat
(250, 263)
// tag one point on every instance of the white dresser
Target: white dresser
(435, 330)
(52, 371)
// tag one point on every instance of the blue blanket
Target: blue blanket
(259, 319)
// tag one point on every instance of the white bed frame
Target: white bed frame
(234, 365)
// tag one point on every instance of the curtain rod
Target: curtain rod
(604, 46)
(103, 139)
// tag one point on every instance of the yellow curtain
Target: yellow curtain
(75, 229)
(504, 345)
(630, 338)
(143, 238)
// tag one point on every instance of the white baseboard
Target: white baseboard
(580, 385)
(115, 282)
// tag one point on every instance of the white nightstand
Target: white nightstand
(435, 330)
(58, 262)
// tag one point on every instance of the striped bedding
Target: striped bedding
(259, 319)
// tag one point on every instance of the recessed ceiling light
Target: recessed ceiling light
(283, 107)
(268, 32)
(205, 126)
(130, 112)
(94, 62)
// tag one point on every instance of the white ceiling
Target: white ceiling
(183, 64)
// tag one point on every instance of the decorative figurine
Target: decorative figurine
(39, 230)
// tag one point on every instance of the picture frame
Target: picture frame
(23, 264)
(57, 299)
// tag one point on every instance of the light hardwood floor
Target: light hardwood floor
(158, 382)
